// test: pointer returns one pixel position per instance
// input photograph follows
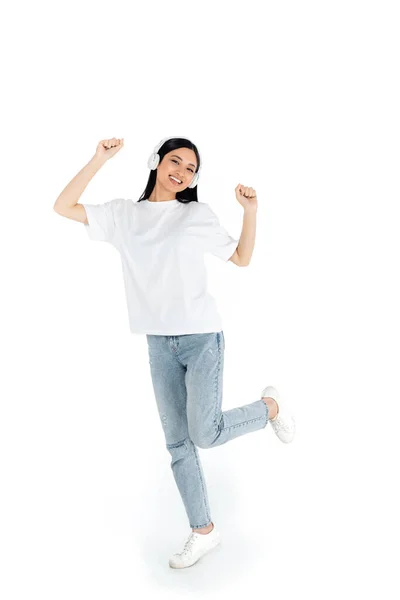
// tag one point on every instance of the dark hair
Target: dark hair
(187, 195)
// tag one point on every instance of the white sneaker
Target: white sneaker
(196, 545)
(283, 424)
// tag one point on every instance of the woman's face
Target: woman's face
(181, 164)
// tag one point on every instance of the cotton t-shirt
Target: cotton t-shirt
(162, 246)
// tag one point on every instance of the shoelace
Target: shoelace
(278, 424)
(188, 545)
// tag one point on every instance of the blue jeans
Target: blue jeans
(187, 376)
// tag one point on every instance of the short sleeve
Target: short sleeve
(102, 219)
(218, 241)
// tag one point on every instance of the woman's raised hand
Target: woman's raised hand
(246, 196)
(108, 148)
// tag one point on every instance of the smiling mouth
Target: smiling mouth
(175, 181)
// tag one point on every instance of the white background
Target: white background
(299, 100)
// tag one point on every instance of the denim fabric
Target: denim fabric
(187, 376)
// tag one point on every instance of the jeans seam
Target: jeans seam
(242, 424)
(202, 486)
(216, 382)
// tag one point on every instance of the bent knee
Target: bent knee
(200, 441)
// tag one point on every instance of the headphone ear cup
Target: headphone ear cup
(153, 161)
(194, 181)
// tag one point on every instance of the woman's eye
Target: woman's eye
(175, 161)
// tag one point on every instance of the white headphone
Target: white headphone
(154, 160)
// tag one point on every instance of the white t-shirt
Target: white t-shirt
(162, 246)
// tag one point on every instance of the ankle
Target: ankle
(273, 407)
(204, 530)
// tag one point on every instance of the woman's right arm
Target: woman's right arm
(67, 202)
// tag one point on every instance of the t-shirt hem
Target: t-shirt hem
(175, 332)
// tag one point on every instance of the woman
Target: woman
(162, 239)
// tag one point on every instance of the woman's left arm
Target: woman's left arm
(246, 196)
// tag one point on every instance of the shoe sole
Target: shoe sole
(270, 392)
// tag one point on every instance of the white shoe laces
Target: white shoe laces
(188, 545)
(280, 425)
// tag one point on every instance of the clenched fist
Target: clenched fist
(246, 196)
(108, 148)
